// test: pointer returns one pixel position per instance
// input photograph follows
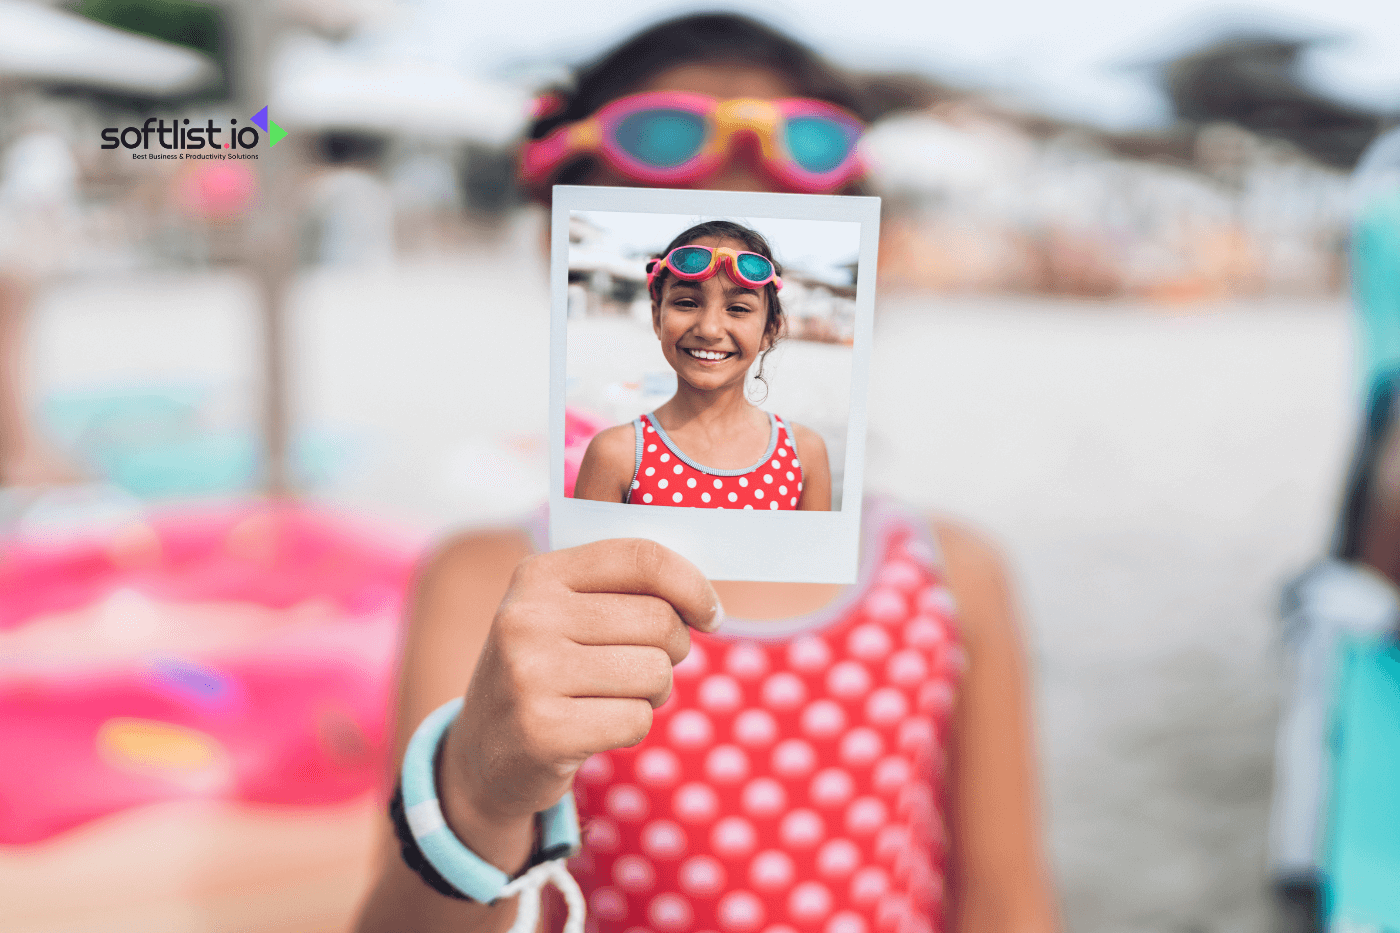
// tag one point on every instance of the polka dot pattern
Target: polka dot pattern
(665, 477)
(790, 784)
(658, 767)
(772, 870)
(702, 876)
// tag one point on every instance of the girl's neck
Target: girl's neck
(705, 409)
(718, 429)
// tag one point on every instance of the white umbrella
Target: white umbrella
(43, 44)
(317, 88)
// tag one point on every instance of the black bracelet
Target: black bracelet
(414, 859)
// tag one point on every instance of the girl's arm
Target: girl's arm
(606, 470)
(998, 877)
(816, 470)
(561, 655)
(454, 599)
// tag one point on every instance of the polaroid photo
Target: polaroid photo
(683, 408)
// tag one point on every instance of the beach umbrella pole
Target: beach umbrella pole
(270, 255)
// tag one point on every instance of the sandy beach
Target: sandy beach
(1153, 476)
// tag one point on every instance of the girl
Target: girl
(715, 309)
(840, 759)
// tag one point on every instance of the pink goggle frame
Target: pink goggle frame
(718, 256)
(770, 122)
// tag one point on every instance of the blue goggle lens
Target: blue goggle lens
(754, 268)
(817, 144)
(690, 259)
(663, 138)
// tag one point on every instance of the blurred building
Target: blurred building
(982, 199)
(605, 278)
(818, 309)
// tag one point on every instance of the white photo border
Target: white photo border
(798, 547)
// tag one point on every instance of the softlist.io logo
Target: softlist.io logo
(179, 140)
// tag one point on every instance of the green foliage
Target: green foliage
(197, 26)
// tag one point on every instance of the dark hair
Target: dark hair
(697, 39)
(775, 324)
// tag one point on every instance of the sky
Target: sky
(1080, 59)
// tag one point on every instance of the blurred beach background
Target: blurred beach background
(1113, 330)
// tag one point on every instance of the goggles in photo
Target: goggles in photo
(670, 138)
(694, 263)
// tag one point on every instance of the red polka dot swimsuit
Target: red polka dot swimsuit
(665, 476)
(794, 781)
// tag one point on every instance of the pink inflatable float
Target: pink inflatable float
(579, 428)
(244, 654)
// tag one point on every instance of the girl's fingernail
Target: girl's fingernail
(718, 618)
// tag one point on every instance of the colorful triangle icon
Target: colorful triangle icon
(275, 133)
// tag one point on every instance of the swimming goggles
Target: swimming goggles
(673, 138)
(694, 263)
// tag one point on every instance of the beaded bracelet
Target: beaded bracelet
(432, 850)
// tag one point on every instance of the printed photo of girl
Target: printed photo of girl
(717, 312)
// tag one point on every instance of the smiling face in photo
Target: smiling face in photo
(711, 331)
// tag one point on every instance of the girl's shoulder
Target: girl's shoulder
(613, 446)
(798, 430)
(976, 573)
(617, 437)
(607, 465)
(809, 443)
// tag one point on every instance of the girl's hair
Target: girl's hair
(775, 324)
(706, 38)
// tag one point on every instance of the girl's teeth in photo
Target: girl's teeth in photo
(707, 354)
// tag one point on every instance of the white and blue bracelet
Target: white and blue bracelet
(461, 868)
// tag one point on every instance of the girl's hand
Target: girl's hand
(579, 654)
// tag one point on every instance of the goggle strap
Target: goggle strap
(541, 157)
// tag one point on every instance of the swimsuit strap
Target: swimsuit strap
(637, 429)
